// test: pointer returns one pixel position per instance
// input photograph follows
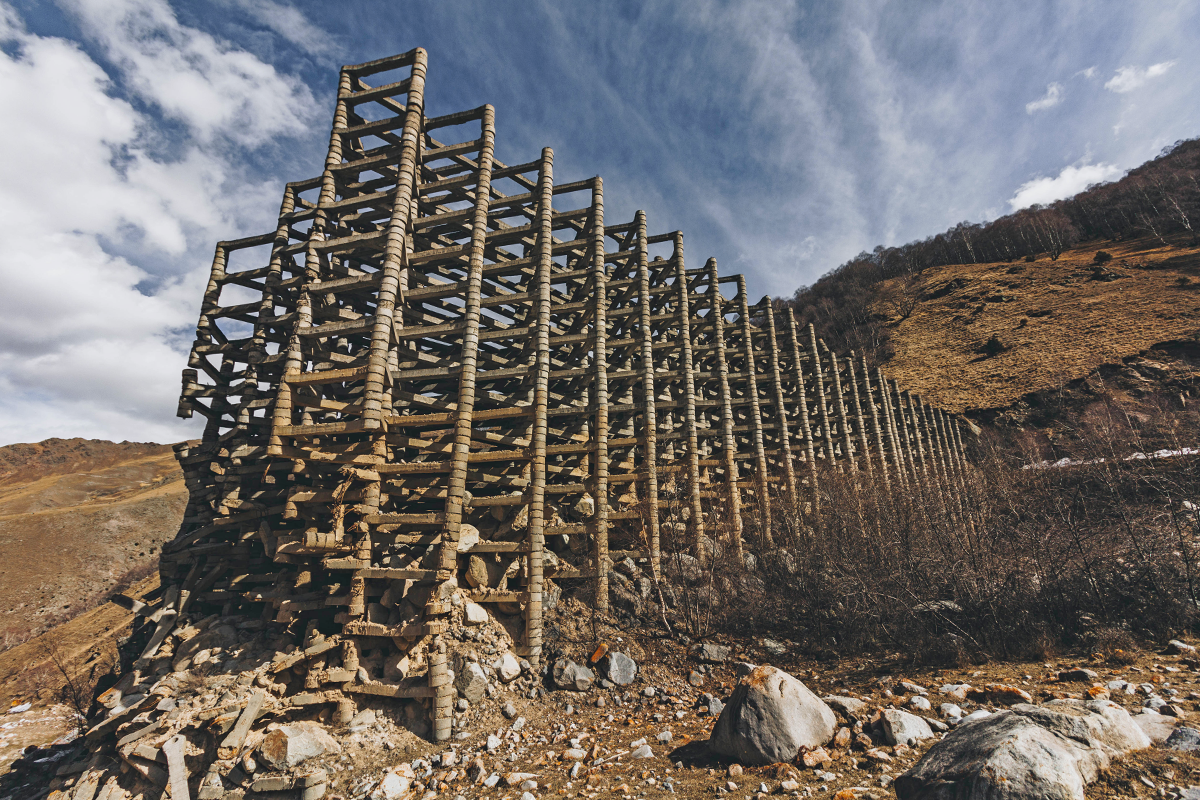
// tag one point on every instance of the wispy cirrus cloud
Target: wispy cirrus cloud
(1128, 79)
(1052, 97)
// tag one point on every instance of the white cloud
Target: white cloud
(1090, 72)
(289, 23)
(207, 84)
(1129, 78)
(1052, 98)
(1071, 181)
(91, 342)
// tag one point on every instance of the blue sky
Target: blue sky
(782, 137)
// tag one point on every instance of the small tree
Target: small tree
(1102, 257)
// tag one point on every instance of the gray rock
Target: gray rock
(695, 678)
(714, 706)
(919, 703)
(620, 669)
(1183, 739)
(682, 566)
(471, 682)
(774, 647)
(950, 711)
(1051, 751)
(848, 706)
(507, 667)
(642, 752)
(293, 744)
(1157, 726)
(900, 727)
(710, 653)
(1178, 648)
(509, 710)
(769, 717)
(569, 675)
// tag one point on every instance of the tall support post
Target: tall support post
(716, 310)
(902, 422)
(843, 419)
(689, 394)
(805, 426)
(760, 452)
(905, 398)
(864, 444)
(889, 415)
(649, 413)
(600, 367)
(469, 357)
(541, 399)
(465, 410)
(396, 243)
(781, 409)
(880, 449)
(822, 405)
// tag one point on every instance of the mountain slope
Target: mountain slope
(1056, 320)
(78, 519)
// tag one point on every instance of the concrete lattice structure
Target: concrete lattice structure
(404, 393)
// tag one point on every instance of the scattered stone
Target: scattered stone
(919, 703)
(772, 646)
(293, 744)
(735, 770)
(493, 742)
(816, 757)
(471, 681)
(1001, 694)
(508, 710)
(1079, 675)
(569, 675)
(1178, 648)
(849, 706)
(770, 717)
(955, 691)
(695, 679)
(1156, 726)
(620, 669)
(900, 727)
(710, 653)
(574, 754)
(913, 688)
(507, 668)
(395, 784)
(1184, 739)
(475, 614)
(642, 752)
(950, 711)
(665, 737)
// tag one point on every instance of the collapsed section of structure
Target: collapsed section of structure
(441, 374)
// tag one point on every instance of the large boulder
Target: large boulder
(769, 718)
(1051, 751)
(295, 743)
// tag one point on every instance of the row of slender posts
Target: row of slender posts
(445, 378)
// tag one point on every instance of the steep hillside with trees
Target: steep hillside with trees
(862, 303)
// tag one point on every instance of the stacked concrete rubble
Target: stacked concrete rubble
(444, 383)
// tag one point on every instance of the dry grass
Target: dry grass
(1056, 321)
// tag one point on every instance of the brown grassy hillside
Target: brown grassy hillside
(1057, 320)
(78, 519)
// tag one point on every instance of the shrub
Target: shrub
(1101, 257)
(1031, 258)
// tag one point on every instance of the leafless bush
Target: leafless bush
(1006, 562)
